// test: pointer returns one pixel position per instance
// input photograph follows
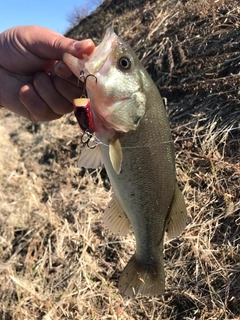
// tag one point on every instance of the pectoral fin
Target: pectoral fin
(115, 219)
(115, 154)
(90, 158)
(177, 220)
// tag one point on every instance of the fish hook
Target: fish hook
(84, 92)
(86, 138)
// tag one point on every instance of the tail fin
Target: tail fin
(139, 278)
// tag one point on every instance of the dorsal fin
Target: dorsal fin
(177, 220)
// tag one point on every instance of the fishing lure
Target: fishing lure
(83, 112)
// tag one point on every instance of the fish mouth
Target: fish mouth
(101, 53)
(92, 64)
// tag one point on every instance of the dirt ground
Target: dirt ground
(57, 259)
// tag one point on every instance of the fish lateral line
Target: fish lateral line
(99, 142)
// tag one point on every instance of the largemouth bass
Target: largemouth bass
(136, 148)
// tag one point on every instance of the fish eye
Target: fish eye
(124, 63)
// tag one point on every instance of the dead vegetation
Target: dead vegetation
(58, 261)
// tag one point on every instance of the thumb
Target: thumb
(50, 45)
(76, 48)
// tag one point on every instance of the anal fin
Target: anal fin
(177, 219)
(115, 219)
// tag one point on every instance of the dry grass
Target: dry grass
(58, 261)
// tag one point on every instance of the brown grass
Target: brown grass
(58, 261)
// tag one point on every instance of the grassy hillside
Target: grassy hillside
(57, 259)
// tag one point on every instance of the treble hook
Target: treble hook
(85, 139)
(84, 92)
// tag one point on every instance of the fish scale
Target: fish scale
(128, 112)
(149, 174)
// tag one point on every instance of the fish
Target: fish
(135, 146)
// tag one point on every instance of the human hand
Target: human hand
(28, 84)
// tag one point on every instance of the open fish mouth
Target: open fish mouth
(101, 53)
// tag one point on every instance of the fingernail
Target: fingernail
(84, 46)
(62, 70)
